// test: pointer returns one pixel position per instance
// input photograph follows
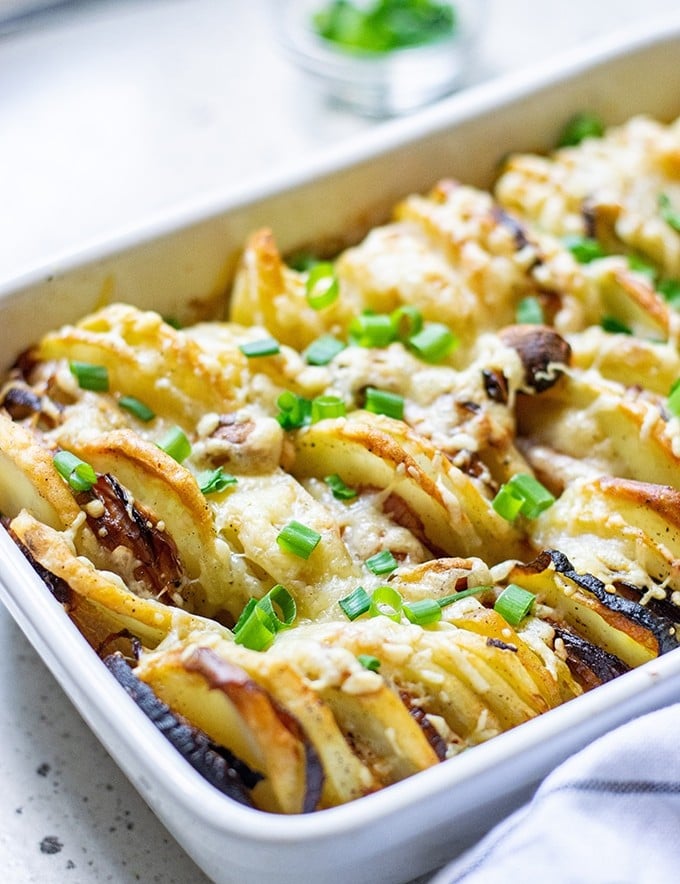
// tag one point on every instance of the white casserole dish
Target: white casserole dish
(418, 824)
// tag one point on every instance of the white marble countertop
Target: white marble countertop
(112, 114)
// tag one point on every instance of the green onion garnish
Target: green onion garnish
(298, 539)
(295, 411)
(79, 475)
(514, 603)
(523, 494)
(406, 321)
(584, 248)
(670, 215)
(322, 286)
(173, 322)
(580, 126)
(384, 402)
(641, 265)
(356, 603)
(447, 600)
(433, 343)
(423, 611)
(382, 562)
(368, 661)
(673, 401)
(324, 407)
(323, 350)
(529, 311)
(371, 330)
(89, 376)
(670, 289)
(615, 326)
(212, 481)
(387, 601)
(261, 619)
(302, 261)
(262, 347)
(338, 487)
(176, 444)
(136, 408)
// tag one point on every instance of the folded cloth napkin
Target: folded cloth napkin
(608, 815)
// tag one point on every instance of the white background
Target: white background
(111, 115)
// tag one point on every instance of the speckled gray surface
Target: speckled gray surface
(67, 814)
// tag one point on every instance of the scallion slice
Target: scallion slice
(176, 444)
(212, 481)
(356, 603)
(382, 563)
(322, 286)
(368, 661)
(673, 401)
(407, 321)
(323, 350)
(514, 603)
(670, 215)
(523, 494)
(670, 289)
(324, 407)
(261, 347)
(584, 248)
(614, 326)
(433, 343)
(387, 601)
(371, 330)
(298, 539)
(136, 408)
(294, 411)
(338, 487)
(423, 612)
(580, 126)
(641, 265)
(261, 619)
(384, 402)
(529, 311)
(79, 474)
(89, 376)
(447, 600)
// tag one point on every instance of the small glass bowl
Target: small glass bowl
(380, 84)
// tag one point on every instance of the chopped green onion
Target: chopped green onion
(338, 487)
(382, 562)
(433, 343)
(295, 411)
(212, 481)
(323, 350)
(406, 321)
(327, 407)
(368, 661)
(447, 600)
(371, 330)
(89, 376)
(526, 490)
(584, 248)
(262, 347)
(356, 603)
(302, 261)
(176, 444)
(79, 475)
(387, 601)
(670, 215)
(173, 322)
(514, 603)
(670, 289)
(423, 611)
(673, 401)
(136, 408)
(615, 326)
(384, 402)
(298, 539)
(322, 286)
(580, 126)
(529, 311)
(507, 504)
(641, 265)
(261, 619)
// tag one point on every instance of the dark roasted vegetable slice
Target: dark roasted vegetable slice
(221, 769)
(589, 664)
